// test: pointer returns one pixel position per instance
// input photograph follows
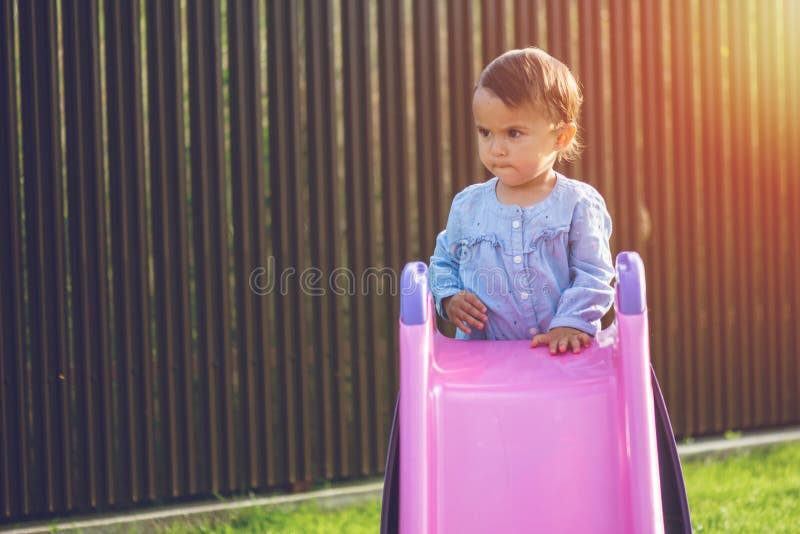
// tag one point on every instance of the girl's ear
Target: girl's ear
(565, 135)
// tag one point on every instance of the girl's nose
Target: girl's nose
(498, 148)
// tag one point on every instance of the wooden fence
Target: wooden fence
(205, 207)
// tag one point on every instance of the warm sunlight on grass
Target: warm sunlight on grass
(751, 491)
(305, 519)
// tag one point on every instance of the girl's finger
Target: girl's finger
(462, 314)
(562, 345)
(471, 320)
(475, 312)
(539, 338)
(576, 344)
(476, 302)
(553, 346)
(463, 326)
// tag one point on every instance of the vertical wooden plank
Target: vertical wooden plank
(753, 230)
(321, 137)
(463, 148)
(712, 202)
(250, 244)
(697, 331)
(741, 124)
(284, 138)
(129, 252)
(768, 276)
(783, 252)
(86, 190)
(683, 136)
(374, 276)
(267, 317)
(662, 276)
(170, 248)
(732, 308)
(792, 89)
(211, 242)
(14, 462)
(359, 192)
(593, 80)
(656, 180)
(159, 56)
(590, 72)
(208, 362)
(378, 278)
(558, 30)
(622, 188)
(190, 376)
(245, 173)
(322, 162)
(493, 29)
(45, 246)
(623, 140)
(284, 163)
(526, 23)
(433, 207)
(559, 46)
(86, 485)
(394, 155)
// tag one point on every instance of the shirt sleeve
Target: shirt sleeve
(443, 270)
(590, 294)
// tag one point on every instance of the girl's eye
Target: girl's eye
(513, 134)
(483, 132)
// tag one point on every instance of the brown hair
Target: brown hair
(532, 76)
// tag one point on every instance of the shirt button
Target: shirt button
(517, 259)
(523, 296)
(515, 224)
(533, 331)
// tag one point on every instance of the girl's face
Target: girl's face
(518, 145)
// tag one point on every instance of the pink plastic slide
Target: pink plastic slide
(496, 437)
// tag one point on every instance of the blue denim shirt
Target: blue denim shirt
(534, 268)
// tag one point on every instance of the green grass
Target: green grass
(752, 491)
(305, 519)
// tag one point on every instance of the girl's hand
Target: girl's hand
(465, 309)
(561, 338)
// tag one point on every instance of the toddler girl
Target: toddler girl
(526, 254)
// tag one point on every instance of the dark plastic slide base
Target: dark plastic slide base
(673, 492)
(390, 503)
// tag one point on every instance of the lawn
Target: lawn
(752, 491)
(304, 519)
